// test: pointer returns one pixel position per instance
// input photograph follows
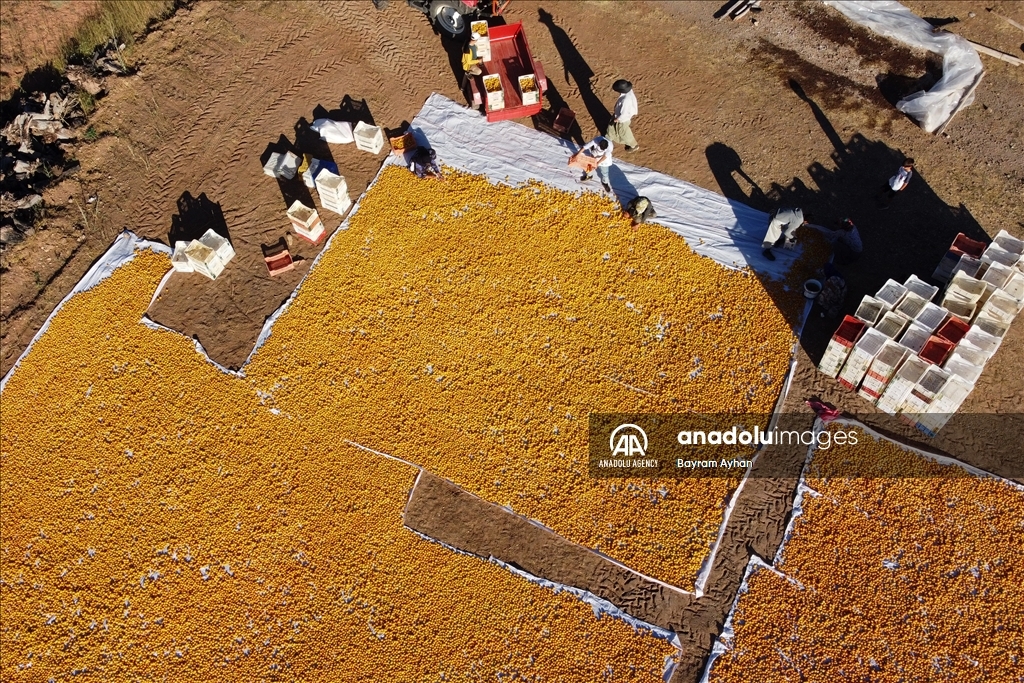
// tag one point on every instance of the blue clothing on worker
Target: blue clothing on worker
(424, 163)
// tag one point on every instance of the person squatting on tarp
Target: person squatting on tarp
(625, 109)
(424, 163)
(640, 210)
(897, 183)
(846, 242)
(782, 229)
(600, 152)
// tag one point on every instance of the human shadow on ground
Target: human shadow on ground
(308, 141)
(350, 110)
(195, 216)
(910, 237)
(573, 64)
(292, 189)
(623, 189)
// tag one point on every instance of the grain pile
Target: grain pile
(472, 328)
(158, 522)
(911, 576)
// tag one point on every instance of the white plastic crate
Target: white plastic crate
(270, 168)
(981, 339)
(997, 274)
(1009, 242)
(870, 310)
(179, 261)
(921, 288)
(891, 293)
(962, 309)
(905, 379)
(966, 287)
(931, 316)
(993, 324)
(866, 348)
(892, 324)
(836, 354)
(911, 305)
(914, 337)
(957, 365)
(1001, 305)
(920, 397)
(996, 254)
(881, 370)
(204, 259)
(496, 98)
(331, 186)
(219, 244)
(1014, 286)
(368, 138)
(968, 265)
(530, 95)
(289, 165)
(302, 216)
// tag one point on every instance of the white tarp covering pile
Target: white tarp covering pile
(727, 231)
(961, 65)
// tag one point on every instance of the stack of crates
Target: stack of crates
(946, 402)
(840, 346)
(892, 324)
(333, 191)
(864, 351)
(905, 379)
(921, 396)
(914, 337)
(207, 255)
(368, 138)
(962, 246)
(882, 368)
(305, 221)
(871, 310)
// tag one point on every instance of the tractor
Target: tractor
(452, 17)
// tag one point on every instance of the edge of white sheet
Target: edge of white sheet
(722, 642)
(509, 153)
(961, 64)
(120, 252)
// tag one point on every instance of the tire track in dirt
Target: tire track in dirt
(185, 152)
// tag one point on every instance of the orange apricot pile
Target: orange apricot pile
(471, 329)
(916, 576)
(158, 521)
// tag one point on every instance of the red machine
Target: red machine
(510, 59)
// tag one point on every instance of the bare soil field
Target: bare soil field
(797, 107)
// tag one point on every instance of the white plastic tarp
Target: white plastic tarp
(961, 65)
(506, 152)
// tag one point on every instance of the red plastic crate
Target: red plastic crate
(965, 245)
(953, 330)
(936, 350)
(850, 330)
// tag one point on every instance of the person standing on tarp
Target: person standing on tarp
(625, 109)
(600, 151)
(782, 230)
(897, 183)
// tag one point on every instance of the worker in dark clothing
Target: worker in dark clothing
(640, 209)
(424, 163)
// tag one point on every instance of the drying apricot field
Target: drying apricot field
(911, 576)
(163, 518)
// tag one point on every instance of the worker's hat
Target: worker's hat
(622, 86)
(476, 36)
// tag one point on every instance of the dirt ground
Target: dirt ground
(797, 107)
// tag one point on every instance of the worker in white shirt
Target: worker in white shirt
(897, 183)
(600, 149)
(782, 230)
(625, 110)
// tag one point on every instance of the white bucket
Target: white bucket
(812, 288)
